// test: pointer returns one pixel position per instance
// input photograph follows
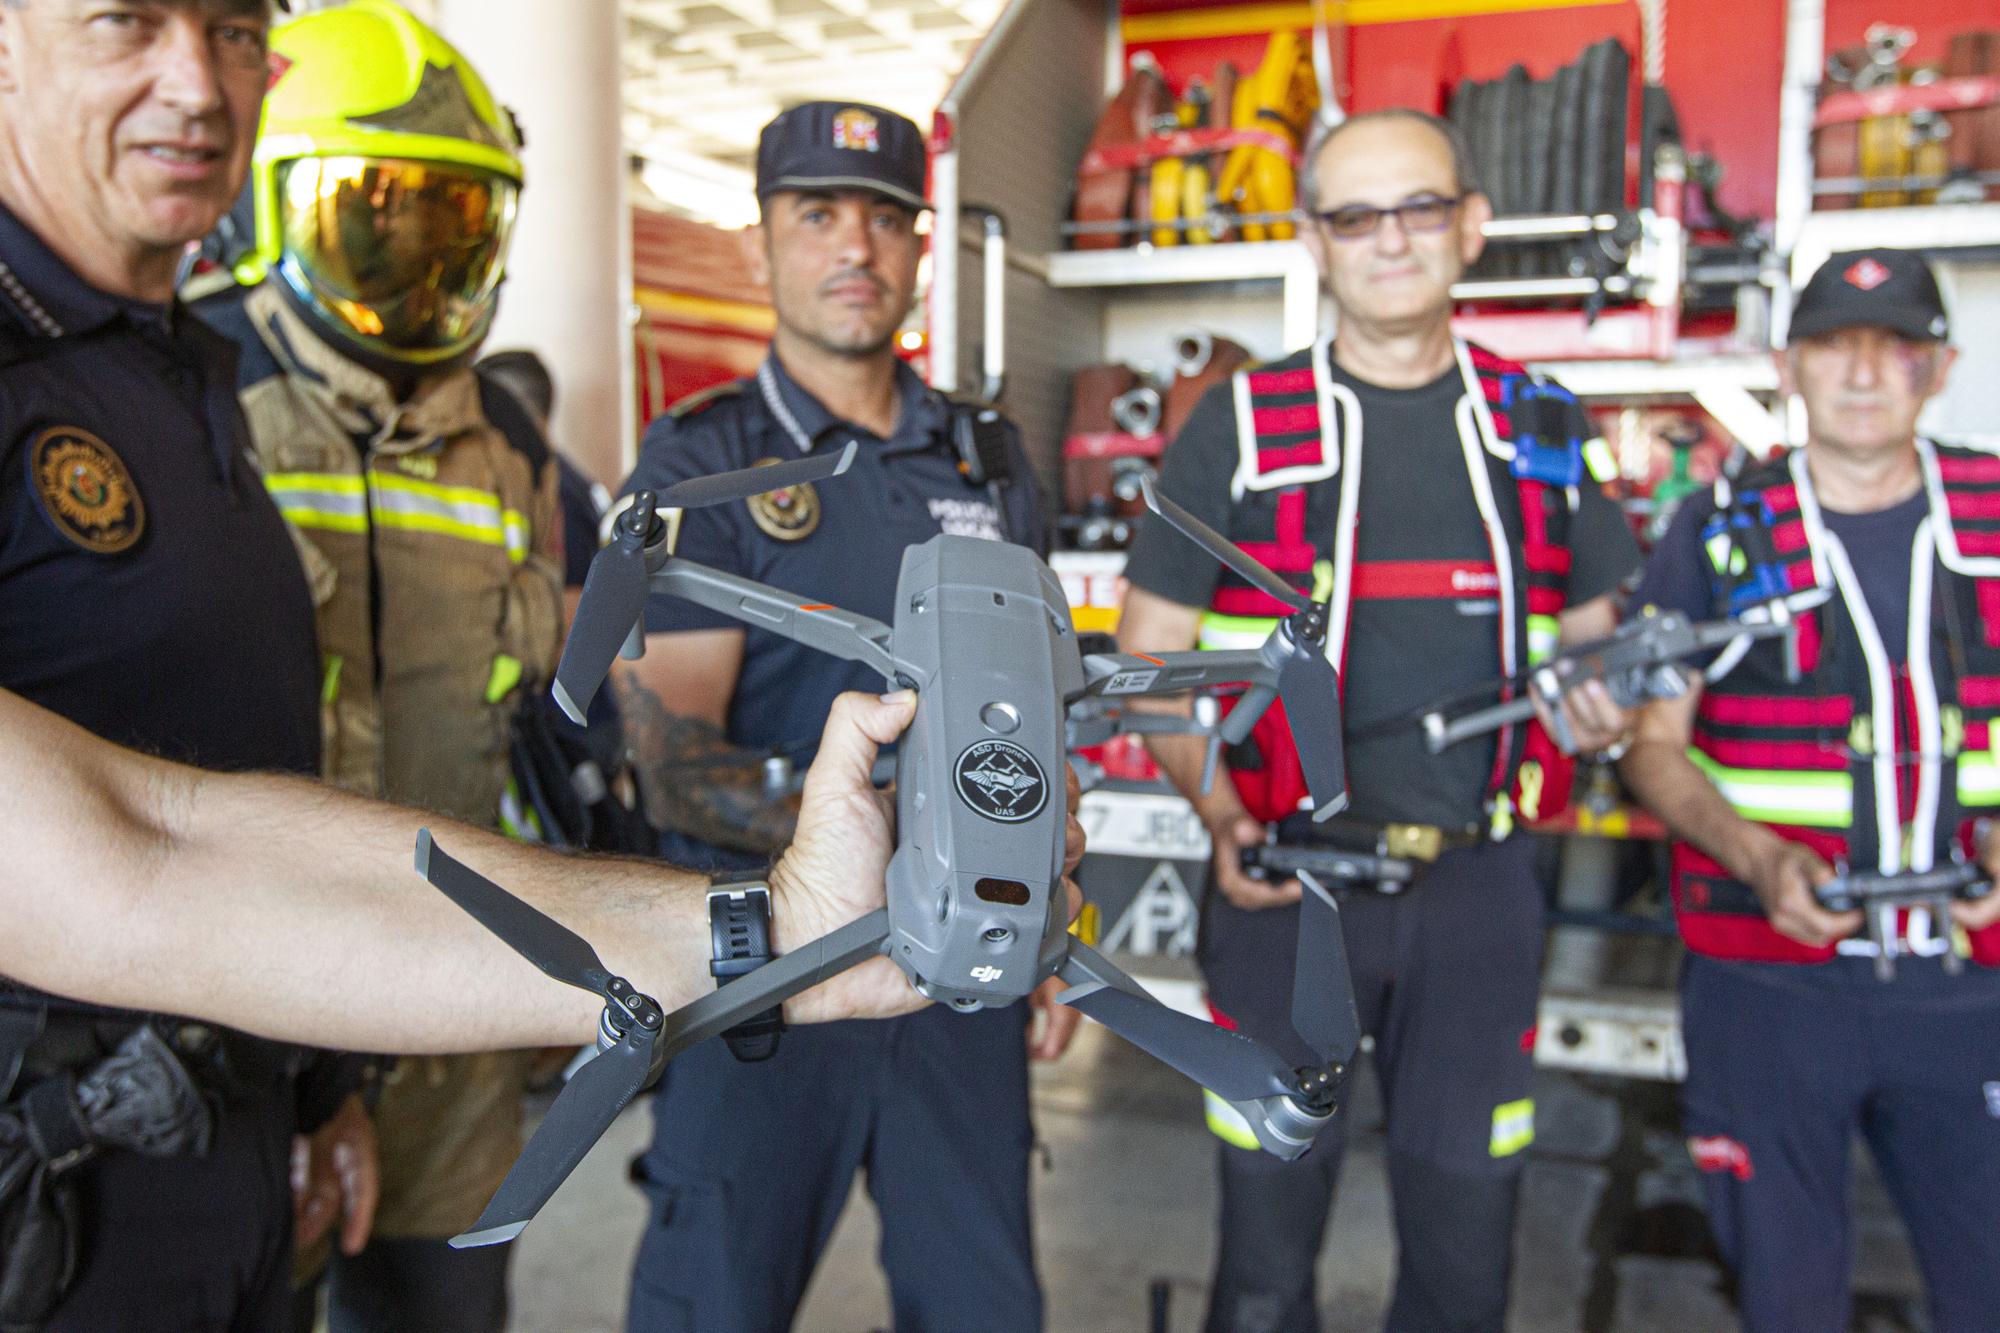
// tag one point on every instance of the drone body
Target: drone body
(975, 907)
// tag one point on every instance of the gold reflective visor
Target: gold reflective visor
(407, 255)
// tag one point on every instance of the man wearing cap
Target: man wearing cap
(148, 592)
(758, 1137)
(1863, 740)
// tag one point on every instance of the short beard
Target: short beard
(849, 351)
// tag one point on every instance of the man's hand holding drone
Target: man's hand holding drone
(833, 871)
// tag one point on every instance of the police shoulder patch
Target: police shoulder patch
(86, 490)
(702, 399)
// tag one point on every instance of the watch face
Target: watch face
(1002, 781)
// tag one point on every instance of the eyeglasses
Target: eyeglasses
(1356, 221)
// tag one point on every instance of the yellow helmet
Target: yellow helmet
(386, 182)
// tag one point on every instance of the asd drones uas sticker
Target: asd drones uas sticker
(974, 913)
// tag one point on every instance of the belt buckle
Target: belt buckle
(1413, 842)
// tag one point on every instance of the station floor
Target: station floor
(1609, 1236)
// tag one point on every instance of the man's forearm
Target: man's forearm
(693, 781)
(287, 908)
(1665, 781)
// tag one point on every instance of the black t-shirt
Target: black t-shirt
(1425, 604)
(1680, 578)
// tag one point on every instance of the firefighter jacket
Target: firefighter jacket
(430, 536)
(429, 530)
(1524, 442)
(1819, 735)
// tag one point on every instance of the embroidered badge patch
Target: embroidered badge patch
(86, 490)
(855, 128)
(787, 515)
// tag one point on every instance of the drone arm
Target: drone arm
(1232, 1065)
(1125, 674)
(814, 624)
(775, 982)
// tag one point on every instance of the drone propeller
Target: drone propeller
(742, 484)
(614, 592)
(1219, 546)
(614, 595)
(1323, 1011)
(629, 1035)
(1307, 681)
(584, 1109)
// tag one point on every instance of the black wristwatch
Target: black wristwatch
(739, 931)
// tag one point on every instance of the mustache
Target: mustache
(855, 275)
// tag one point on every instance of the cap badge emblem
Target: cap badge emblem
(1867, 274)
(857, 129)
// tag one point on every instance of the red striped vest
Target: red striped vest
(1816, 736)
(1298, 430)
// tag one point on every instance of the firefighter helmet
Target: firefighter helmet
(386, 182)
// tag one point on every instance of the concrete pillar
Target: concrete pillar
(569, 280)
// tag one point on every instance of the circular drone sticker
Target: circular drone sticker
(1002, 781)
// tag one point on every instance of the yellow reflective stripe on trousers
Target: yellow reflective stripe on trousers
(329, 501)
(1544, 637)
(1224, 632)
(1814, 800)
(452, 511)
(1513, 1127)
(1226, 1123)
(1979, 778)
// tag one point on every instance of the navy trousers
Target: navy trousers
(1786, 1065)
(751, 1165)
(1447, 979)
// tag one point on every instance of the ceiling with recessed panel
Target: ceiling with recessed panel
(703, 76)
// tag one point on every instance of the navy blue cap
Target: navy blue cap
(842, 146)
(1878, 289)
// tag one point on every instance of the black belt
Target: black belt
(1406, 842)
(59, 1041)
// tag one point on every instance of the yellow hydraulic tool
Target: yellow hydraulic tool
(1279, 100)
(1169, 179)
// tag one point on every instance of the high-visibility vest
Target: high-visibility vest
(1817, 735)
(1528, 449)
(430, 533)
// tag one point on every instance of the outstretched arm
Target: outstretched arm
(286, 908)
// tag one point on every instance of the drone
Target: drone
(974, 913)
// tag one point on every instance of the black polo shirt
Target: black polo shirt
(901, 492)
(149, 590)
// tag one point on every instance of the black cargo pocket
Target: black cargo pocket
(682, 1262)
